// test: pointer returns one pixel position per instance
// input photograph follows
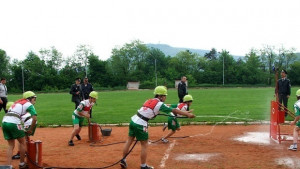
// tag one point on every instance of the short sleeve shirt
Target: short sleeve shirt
(84, 107)
(150, 113)
(19, 108)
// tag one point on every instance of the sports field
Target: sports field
(116, 107)
(207, 146)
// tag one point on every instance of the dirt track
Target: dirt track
(209, 147)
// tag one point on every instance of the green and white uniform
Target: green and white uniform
(83, 107)
(12, 121)
(138, 126)
(173, 123)
(27, 122)
(297, 111)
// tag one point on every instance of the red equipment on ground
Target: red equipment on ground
(94, 132)
(34, 154)
(277, 117)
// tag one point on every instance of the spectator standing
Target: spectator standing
(284, 89)
(3, 95)
(182, 89)
(86, 88)
(76, 92)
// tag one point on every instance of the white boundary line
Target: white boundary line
(166, 156)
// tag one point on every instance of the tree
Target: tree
(98, 73)
(228, 68)
(4, 60)
(294, 73)
(268, 58)
(128, 62)
(253, 73)
(81, 56)
(212, 54)
(34, 72)
(52, 57)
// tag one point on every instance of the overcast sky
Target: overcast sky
(234, 25)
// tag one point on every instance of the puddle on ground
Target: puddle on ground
(255, 138)
(198, 157)
(291, 162)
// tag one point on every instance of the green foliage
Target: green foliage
(4, 60)
(47, 71)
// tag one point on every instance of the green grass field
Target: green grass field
(211, 105)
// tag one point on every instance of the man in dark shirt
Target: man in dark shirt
(182, 89)
(284, 89)
(86, 88)
(76, 92)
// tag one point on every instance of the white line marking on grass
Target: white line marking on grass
(228, 117)
(166, 156)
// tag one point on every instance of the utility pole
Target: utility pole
(23, 77)
(223, 70)
(155, 73)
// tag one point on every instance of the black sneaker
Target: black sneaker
(78, 137)
(123, 164)
(71, 143)
(147, 167)
(24, 166)
(17, 156)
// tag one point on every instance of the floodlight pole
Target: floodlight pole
(23, 77)
(155, 73)
(223, 70)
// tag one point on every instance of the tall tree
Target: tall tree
(212, 54)
(98, 73)
(34, 72)
(52, 57)
(81, 56)
(253, 73)
(127, 63)
(4, 60)
(268, 57)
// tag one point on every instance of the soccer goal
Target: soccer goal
(133, 85)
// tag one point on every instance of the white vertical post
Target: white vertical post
(155, 73)
(223, 70)
(23, 77)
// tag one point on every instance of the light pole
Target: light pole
(223, 70)
(155, 73)
(23, 77)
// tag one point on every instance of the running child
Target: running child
(82, 111)
(138, 127)
(173, 123)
